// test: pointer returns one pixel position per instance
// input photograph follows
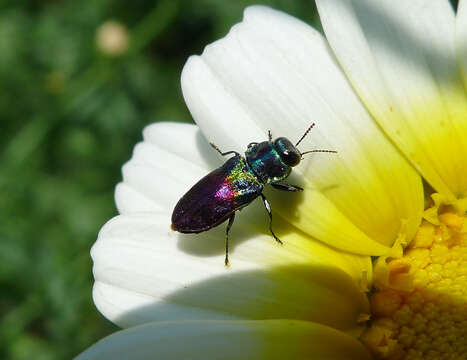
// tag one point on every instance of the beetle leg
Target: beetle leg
(223, 153)
(229, 225)
(268, 209)
(269, 135)
(287, 187)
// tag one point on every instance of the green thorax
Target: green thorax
(266, 163)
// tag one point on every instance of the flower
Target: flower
(386, 90)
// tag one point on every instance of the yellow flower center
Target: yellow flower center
(419, 311)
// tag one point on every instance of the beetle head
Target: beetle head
(287, 151)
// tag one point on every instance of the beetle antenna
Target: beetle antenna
(323, 151)
(305, 134)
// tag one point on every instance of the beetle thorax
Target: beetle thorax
(266, 163)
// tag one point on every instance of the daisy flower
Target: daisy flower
(386, 88)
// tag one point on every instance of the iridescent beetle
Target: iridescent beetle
(234, 185)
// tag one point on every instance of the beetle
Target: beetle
(220, 194)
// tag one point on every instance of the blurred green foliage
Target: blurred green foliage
(70, 116)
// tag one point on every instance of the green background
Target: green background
(70, 116)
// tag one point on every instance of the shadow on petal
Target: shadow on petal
(318, 293)
(250, 222)
(228, 340)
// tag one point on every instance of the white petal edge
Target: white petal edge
(222, 340)
(275, 72)
(145, 272)
(400, 57)
(161, 171)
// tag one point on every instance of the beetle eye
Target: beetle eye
(291, 158)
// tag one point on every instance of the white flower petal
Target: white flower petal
(130, 200)
(400, 57)
(204, 340)
(275, 72)
(128, 308)
(184, 140)
(171, 159)
(146, 272)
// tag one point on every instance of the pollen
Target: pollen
(420, 312)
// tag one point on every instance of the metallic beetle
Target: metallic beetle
(234, 185)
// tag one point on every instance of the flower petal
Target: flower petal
(275, 72)
(129, 200)
(183, 140)
(400, 57)
(145, 272)
(171, 159)
(273, 339)
(161, 153)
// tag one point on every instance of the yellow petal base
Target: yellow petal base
(419, 307)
